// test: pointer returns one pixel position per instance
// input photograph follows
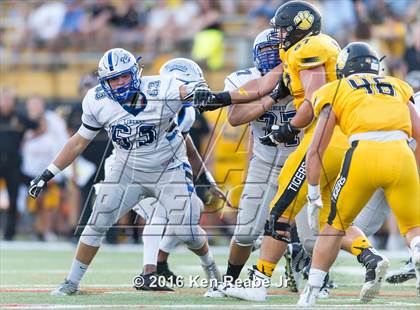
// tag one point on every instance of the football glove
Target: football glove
(203, 97)
(206, 100)
(314, 205)
(39, 184)
(279, 134)
(280, 91)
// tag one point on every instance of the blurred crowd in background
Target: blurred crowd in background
(49, 49)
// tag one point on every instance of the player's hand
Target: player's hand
(280, 91)
(215, 191)
(38, 184)
(314, 205)
(203, 98)
(279, 134)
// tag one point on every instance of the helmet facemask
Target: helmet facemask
(266, 53)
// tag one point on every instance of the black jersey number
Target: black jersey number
(377, 85)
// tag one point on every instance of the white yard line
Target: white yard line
(197, 306)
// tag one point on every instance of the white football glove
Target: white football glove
(314, 205)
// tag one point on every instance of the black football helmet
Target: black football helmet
(299, 19)
(357, 57)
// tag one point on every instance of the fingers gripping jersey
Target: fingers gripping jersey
(279, 113)
(308, 53)
(367, 102)
(142, 135)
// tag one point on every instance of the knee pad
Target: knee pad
(245, 236)
(271, 228)
(196, 238)
(92, 237)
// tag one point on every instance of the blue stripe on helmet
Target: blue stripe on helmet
(111, 67)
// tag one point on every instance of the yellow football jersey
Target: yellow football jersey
(367, 102)
(308, 53)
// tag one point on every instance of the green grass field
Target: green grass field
(30, 270)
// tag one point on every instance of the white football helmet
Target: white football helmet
(115, 62)
(266, 50)
(183, 69)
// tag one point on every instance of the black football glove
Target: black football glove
(280, 91)
(203, 97)
(206, 100)
(38, 184)
(279, 134)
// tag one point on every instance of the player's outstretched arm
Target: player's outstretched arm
(240, 114)
(258, 88)
(320, 140)
(73, 148)
(206, 100)
(322, 136)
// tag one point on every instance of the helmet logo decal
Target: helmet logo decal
(342, 58)
(303, 20)
(125, 59)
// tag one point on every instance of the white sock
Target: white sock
(414, 242)
(316, 277)
(152, 234)
(77, 271)
(207, 259)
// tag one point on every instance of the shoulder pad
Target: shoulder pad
(313, 51)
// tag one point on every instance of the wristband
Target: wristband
(54, 169)
(313, 192)
(223, 99)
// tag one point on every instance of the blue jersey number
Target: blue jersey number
(122, 135)
(269, 118)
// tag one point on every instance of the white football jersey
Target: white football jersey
(279, 113)
(143, 136)
(186, 117)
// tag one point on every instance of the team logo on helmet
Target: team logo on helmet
(342, 58)
(303, 20)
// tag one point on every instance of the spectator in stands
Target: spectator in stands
(73, 25)
(339, 19)
(44, 23)
(97, 28)
(12, 128)
(412, 52)
(209, 39)
(126, 24)
(39, 148)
